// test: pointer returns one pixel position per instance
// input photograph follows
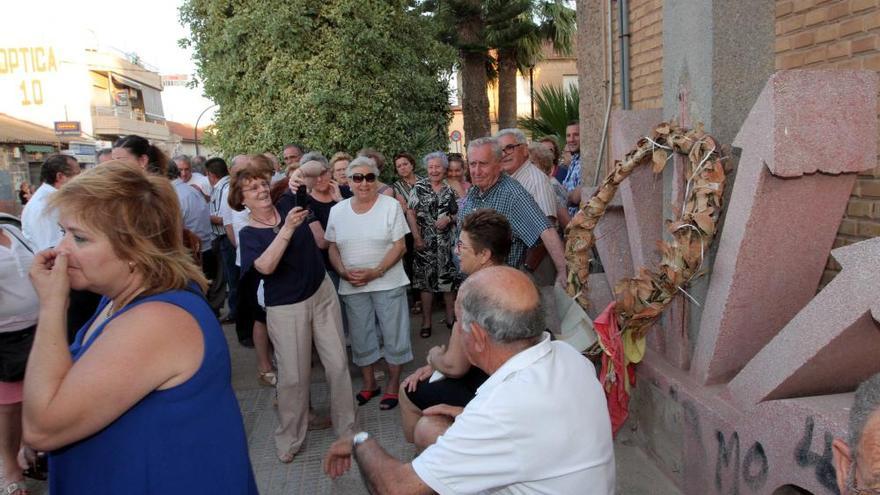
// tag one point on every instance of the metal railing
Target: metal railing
(128, 113)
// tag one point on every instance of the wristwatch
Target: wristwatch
(358, 439)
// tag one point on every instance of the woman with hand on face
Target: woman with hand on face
(142, 400)
(432, 209)
(484, 241)
(366, 235)
(301, 305)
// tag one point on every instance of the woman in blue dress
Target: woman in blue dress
(142, 401)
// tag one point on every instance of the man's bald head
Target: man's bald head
(504, 302)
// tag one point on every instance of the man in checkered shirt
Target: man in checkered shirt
(496, 190)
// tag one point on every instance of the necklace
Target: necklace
(274, 224)
(112, 309)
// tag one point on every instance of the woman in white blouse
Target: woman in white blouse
(19, 307)
(366, 234)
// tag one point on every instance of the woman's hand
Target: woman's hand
(435, 352)
(419, 375)
(295, 218)
(295, 181)
(49, 276)
(419, 243)
(443, 222)
(335, 193)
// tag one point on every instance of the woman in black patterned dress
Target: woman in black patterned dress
(432, 209)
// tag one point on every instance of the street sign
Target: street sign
(68, 128)
(455, 136)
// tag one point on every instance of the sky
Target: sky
(149, 28)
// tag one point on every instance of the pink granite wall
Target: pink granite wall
(769, 384)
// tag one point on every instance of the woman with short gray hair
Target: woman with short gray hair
(432, 210)
(366, 234)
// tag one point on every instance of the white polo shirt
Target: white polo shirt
(537, 183)
(539, 424)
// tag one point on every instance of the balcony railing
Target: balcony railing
(128, 113)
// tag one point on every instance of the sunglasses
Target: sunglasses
(358, 178)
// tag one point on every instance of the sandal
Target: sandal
(267, 378)
(15, 488)
(364, 396)
(389, 401)
(425, 332)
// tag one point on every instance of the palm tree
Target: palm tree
(555, 108)
(518, 30)
(462, 25)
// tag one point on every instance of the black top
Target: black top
(300, 271)
(321, 211)
(345, 191)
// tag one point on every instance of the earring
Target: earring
(131, 267)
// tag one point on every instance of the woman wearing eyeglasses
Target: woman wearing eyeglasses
(366, 234)
(278, 245)
(449, 381)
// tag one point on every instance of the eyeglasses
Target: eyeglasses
(358, 178)
(509, 148)
(852, 485)
(256, 186)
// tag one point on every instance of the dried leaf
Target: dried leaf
(705, 222)
(659, 158)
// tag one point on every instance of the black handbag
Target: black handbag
(15, 347)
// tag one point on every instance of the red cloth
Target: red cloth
(615, 371)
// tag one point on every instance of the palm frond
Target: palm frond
(555, 107)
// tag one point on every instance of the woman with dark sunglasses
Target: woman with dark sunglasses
(366, 234)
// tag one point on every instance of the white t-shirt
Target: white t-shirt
(201, 181)
(238, 220)
(364, 239)
(19, 305)
(38, 223)
(539, 424)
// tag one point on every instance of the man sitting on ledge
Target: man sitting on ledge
(858, 463)
(539, 424)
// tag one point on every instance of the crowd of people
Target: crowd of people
(124, 273)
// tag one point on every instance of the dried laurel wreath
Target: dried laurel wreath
(642, 299)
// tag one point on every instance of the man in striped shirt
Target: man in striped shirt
(515, 162)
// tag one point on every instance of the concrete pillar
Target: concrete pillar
(717, 55)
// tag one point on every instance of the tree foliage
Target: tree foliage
(500, 37)
(330, 74)
(555, 107)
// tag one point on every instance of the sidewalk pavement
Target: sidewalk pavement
(636, 475)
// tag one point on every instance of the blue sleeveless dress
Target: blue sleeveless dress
(187, 439)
